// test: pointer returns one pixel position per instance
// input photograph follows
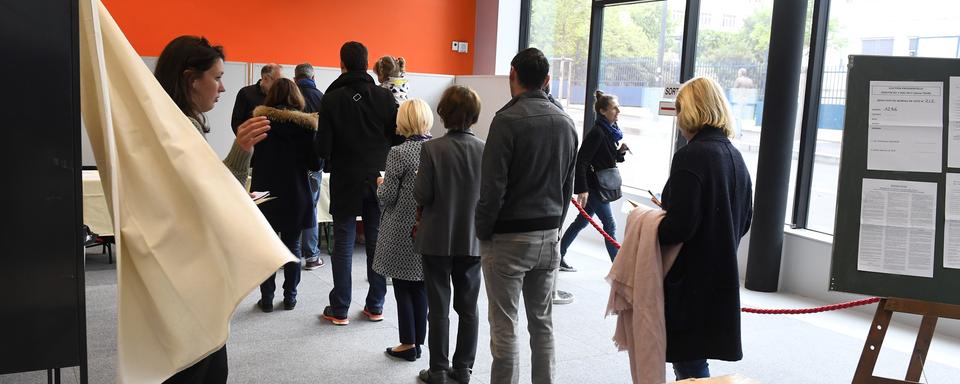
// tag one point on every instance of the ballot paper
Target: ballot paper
(905, 126)
(897, 227)
(953, 131)
(951, 225)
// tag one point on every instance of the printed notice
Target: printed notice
(953, 131)
(897, 230)
(906, 126)
(951, 225)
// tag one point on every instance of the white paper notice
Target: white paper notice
(897, 230)
(951, 225)
(953, 131)
(906, 126)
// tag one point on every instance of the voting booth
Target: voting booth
(898, 200)
(42, 318)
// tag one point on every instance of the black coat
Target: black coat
(248, 98)
(597, 152)
(311, 95)
(708, 200)
(358, 121)
(280, 164)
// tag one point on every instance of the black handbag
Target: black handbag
(608, 184)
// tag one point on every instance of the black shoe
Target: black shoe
(374, 315)
(564, 267)
(433, 377)
(461, 375)
(289, 304)
(407, 354)
(331, 317)
(265, 305)
(419, 351)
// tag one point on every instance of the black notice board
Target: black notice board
(944, 286)
(42, 316)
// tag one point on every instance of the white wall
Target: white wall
(494, 93)
(428, 87)
(805, 271)
(221, 135)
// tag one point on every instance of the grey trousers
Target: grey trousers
(514, 264)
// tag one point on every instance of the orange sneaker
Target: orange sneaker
(373, 315)
(336, 320)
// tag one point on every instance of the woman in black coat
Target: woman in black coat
(600, 150)
(708, 203)
(280, 165)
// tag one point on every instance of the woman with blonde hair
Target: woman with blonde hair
(390, 73)
(708, 203)
(395, 255)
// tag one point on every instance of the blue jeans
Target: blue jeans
(691, 369)
(344, 236)
(291, 271)
(309, 238)
(603, 211)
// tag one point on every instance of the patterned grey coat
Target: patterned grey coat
(395, 255)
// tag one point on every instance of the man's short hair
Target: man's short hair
(268, 70)
(532, 68)
(303, 71)
(353, 55)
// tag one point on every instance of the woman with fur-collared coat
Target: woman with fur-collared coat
(280, 164)
(708, 203)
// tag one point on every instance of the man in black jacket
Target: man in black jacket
(357, 128)
(309, 238)
(526, 181)
(252, 96)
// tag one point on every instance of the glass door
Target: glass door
(639, 50)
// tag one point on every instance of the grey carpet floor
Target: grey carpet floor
(299, 347)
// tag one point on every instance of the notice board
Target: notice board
(897, 230)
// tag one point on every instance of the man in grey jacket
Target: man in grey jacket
(526, 183)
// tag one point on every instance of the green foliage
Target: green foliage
(561, 28)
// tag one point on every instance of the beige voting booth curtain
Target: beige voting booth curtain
(191, 243)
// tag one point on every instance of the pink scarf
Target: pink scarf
(636, 295)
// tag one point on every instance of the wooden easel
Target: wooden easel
(878, 329)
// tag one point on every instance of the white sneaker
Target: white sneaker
(562, 297)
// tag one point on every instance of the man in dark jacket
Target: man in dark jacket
(309, 238)
(252, 96)
(303, 75)
(526, 181)
(357, 127)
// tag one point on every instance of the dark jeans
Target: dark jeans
(411, 310)
(438, 273)
(603, 211)
(691, 369)
(210, 370)
(344, 236)
(291, 270)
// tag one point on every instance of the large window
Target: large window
(561, 29)
(890, 27)
(639, 55)
(737, 58)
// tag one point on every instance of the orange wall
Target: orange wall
(294, 31)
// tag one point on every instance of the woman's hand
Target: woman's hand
(582, 198)
(251, 132)
(624, 149)
(379, 180)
